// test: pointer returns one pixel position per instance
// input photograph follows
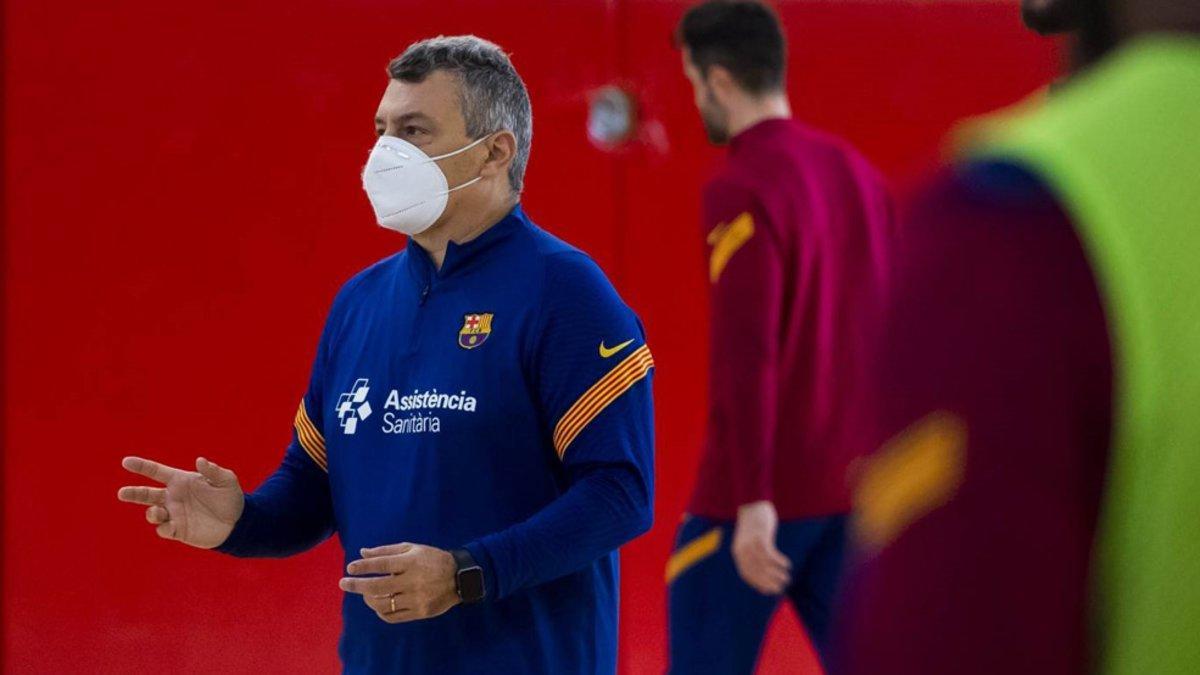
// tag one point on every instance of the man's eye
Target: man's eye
(413, 131)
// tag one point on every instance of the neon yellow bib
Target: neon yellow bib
(1120, 148)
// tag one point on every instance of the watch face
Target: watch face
(470, 584)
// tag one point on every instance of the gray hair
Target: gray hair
(493, 96)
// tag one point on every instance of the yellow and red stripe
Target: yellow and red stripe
(608, 389)
(310, 439)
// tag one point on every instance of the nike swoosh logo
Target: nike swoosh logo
(606, 352)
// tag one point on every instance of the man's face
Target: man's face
(1049, 17)
(714, 117)
(428, 115)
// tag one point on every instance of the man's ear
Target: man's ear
(722, 84)
(502, 150)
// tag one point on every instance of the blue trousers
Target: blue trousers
(717, 621)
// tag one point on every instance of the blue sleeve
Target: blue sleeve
(292, 510)
(592, 371)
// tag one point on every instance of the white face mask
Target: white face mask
(406, 187)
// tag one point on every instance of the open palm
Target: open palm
(198, 507)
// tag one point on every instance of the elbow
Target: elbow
(630, 498)
(642, 516)
(642, 520)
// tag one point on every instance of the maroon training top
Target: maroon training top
(798, 225)
(997, 322)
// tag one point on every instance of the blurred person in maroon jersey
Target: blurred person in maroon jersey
(797, 223)
(1035, 508)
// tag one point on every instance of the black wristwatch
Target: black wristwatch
(468, 580)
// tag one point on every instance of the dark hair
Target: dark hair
(742, 36)
(492, 96)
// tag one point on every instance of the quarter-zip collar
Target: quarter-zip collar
(462, 257)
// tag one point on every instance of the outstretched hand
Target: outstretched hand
(198, 508)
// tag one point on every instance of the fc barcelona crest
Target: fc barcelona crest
(475, 331)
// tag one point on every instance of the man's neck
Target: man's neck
(461, 227)
(753, 111)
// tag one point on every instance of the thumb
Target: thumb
(215, 475)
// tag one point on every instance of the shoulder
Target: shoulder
(731, 194)
(572, 275)
(564, 264)
(984, 210)
(1000, 197)
(731, 183)
(571, 280)
(368, 280)
(833, 158)
(1001, 234)
(1001, 185)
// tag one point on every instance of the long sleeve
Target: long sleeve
(288, 514)
(592, 369)
(605, 506)
(292, 510)
(977, 517)
(746, 299)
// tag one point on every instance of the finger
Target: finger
(147, 496)
(763, 577)
(763, 582)
(767, 587)
(390, 549)
(383, 604)
(754, 582)
(379, 586)
(215, 475)
(776, 580)
(771, 567)
(773, 560)
(166, 530)
(387, 564)
(398, 616)
(777, 558)
(157, 515)
(149, 468)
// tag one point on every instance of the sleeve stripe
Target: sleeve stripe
(618, 388)
(630, 364)
(610, 386)
(313, 436)
(310, 439)
(585, 411)
(692, 553)
(586, 403)
(601, 394)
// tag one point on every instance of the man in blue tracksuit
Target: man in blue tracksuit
(478, 425)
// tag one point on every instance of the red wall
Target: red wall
(182, 200)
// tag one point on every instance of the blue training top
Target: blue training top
(502, 404)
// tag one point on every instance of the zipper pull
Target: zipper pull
(424, 294)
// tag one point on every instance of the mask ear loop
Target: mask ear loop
(466, 184)
(459, 151)
(431, 159)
